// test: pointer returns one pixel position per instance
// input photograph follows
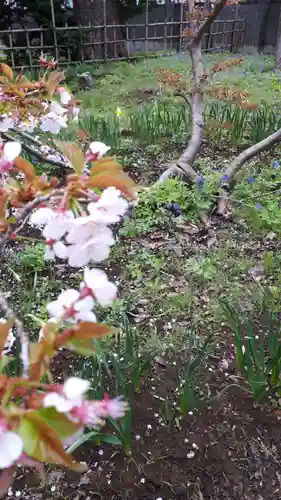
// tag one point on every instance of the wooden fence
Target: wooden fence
(73, 44)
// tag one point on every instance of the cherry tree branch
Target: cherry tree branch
(23, 336)
(249, 153)
(205, 26)
(34, 152)
(239, 161)
(187, 158)
(21, 218)
(180, 93)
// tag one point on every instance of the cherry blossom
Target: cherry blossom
(11, 150)
(71, 395)
(42, 216)
(96, 151)
(55, 107)
(6, 123)
(11, 446)
(92, 413)
(28, 125)
(55, 249)
(103, 290)
(71, 307)
(65, 96)
(109, 208)
(58, 226)
(92, 250)
(53, 122)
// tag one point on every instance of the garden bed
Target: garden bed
(229, 450)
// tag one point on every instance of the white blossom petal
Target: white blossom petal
(62, 404)
(99, 148)
(60, 250)
(103, 290)
(75, 387)
(11, 448)
(11, 150)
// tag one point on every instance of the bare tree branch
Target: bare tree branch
(180, 93)
(239, 161)
(205, 26)
(249, 153)
(188, 156)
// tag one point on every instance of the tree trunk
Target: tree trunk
(99, 43)
(278, 46)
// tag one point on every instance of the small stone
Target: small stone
(190, 454)
(53, 488)
(85, 80)
(142, 481)
(149, 426)
(101, 452)
(137, 437)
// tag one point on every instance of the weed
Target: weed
(189, 391)
(31, 258)
(258, 350)
(203, 268)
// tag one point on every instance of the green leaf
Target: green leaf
(82, 347)
(59, 422)
(95, 436)
(4, 362)
(42, 443)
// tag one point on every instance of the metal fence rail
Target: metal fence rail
(72, 44)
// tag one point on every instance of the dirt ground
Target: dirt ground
(229, 450)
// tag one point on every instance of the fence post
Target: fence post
(146, 26)
(165, 27)
(28, 48)
(54, 30)
(181, 21)
(104, 32)
(232, 36)
(127, 42)
(12, 47)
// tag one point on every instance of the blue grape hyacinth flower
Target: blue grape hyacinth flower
(275, 163)
(251, 180)
(175, 208)
(200, 181)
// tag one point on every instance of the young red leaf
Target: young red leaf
(7, 71)
(4, 332)
(40, 355)
(118, 179)
(26, 167)
(105, 165)
(42, 443)
(87, 330)
(73, 153)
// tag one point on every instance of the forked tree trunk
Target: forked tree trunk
(99, 43)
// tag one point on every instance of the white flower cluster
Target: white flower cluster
(86, 238)
(53, 121)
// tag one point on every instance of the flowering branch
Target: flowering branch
(34, 152)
